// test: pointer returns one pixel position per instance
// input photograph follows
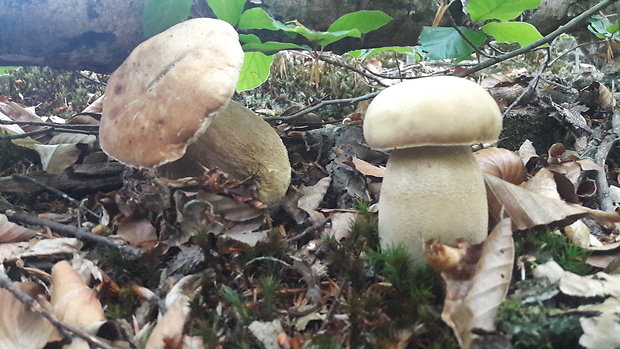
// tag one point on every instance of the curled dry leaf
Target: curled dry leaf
(528, 209)
(312, 198)
(138, 232)
(606, 98)
(73, 301)
(19, 326)
(168, 333)
(527, 152)
(11, 232)
(478, 284)
(501, 163)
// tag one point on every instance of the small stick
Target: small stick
(83, 234)
(316, 226)
(66, 331)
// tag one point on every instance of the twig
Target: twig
(322, 104)
(314, 227)
(531, 86)
(53, 190)
(55, 125)
(601, 177)
(66, 331)
(370, 75)
(545, 40)
(83, 234)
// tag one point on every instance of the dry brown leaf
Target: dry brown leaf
(606, 98)
(168, 333)
(544, 184)
(73, 301)
(475, 288)
(341, 224)
(527, 209)
(19, 326)
(11, 232)
(365, 168)
(312, 197)
(58, 157)
(18, 113)
(527, 151)
(138, 232)
(501, 163)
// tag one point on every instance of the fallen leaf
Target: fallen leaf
(11, 232)
(476, 287)
(312, 197)
(501, 163)
(19, 326)
(168, 333)
(365, 168)
(73, 301)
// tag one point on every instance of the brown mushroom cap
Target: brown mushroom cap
(163, 96)
(442, 110)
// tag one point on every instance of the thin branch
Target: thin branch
(66, 331)
(314, 227)
(322, 104)
(83, 234)
(376, 78)
(55, 125)
(53, 190)
(545, 40)
(531, 86)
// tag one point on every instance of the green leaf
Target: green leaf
(227, 10)
(363, 21)
(324, 38)
(159, 15)
(255, 70)
(519, 32)
(443, 42)
(271, 47)
(249, 39)
(4, 70)
(482, 10)
(366, 53)
(257, 18)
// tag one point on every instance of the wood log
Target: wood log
(98, 35)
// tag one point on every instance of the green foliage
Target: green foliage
(509, 32)
(365, 53)
(4, 70)
(603, 28)
(159, 15)
(504, 10)
(442, 43)
(227, 10)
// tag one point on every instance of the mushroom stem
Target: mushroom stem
(432, 192)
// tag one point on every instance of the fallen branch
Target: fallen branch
(66, 331)
(84, 234)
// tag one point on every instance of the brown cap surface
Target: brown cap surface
(432, 111)
(163, 96)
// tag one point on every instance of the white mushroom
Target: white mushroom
(432, 187)
(168, 92)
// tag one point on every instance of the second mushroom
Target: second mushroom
(172, 88)
(432, 187)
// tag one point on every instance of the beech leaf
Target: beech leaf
(478, 284)
(11, 232)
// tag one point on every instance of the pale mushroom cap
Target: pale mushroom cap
(441, 110)
(164, 94)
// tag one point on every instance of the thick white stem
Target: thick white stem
(432, 192)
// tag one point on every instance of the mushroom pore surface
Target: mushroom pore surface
(432, 188)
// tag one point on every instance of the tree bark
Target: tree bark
(98, 35)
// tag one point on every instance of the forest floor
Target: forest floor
(310, 273)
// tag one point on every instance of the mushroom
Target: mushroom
(432, 187)
(170, 89)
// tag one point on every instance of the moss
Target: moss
(536, 326)
(547, 245)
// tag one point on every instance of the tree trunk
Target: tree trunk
(98, 35)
